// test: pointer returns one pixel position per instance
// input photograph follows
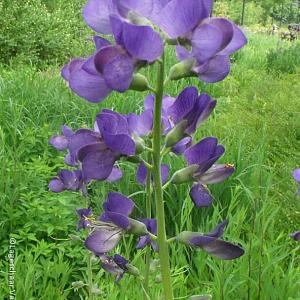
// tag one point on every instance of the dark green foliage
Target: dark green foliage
(40, 33)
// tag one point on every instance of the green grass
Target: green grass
(258, 121)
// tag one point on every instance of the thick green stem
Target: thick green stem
(160, 211)
(90, 277)
(148, 214)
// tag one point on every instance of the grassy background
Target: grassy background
(257, 119)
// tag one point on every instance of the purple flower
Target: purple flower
(117, 209)
(296, 236)
(296, 175)
(193, 108)
(211, 243)
(201, 159)
(141, 174)
(212, 43)
(61, 142)
(83, 78)
(145, 240)
(84, 214)
(135, 46)
(67, 180)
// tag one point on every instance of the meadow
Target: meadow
(257, 119)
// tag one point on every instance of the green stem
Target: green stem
(160, 211)
(90, 277)
(148, 214)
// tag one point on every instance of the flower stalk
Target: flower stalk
(160, 212)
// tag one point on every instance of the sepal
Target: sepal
(139, 83)
(182, 69)
(184, 175)
(176, 134)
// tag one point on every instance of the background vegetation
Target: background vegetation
(257, 119)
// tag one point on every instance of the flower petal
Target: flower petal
(207, 41)
(200, 196)
(118, 203)
(182, 145)
(96, 14)
(216, 69)
(115, 175)
(89, 86)
(103, 240)
(118, 73)
(219, 230)
(121, 143)
(296, 175)
(59, 142)
(202, 151)
(183, 104)
(180, 17)
(142, 42)
(56, 185)
(98, 165)
(216, 174)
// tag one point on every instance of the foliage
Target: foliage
(39, 34)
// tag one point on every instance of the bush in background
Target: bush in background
(41, 32)
(284, 59)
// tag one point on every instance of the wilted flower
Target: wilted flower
(117, 266)
(211, 243)
(296, 236)
(145, 240)
(84, 214)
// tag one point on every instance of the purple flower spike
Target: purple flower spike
(84, 213)
(67, 180)
(296, 236)
(211, 243)
(145, 240)
(141, 174)
(117, 209)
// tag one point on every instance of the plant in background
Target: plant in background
(141, 33)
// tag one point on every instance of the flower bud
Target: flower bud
(176, 134)
(182, 69)
(139, 83)
(131, 269)
(77, 285)
(184, 175)
(154, 265)
(137, 228)
(139, 144)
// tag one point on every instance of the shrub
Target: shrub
(40, 33)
